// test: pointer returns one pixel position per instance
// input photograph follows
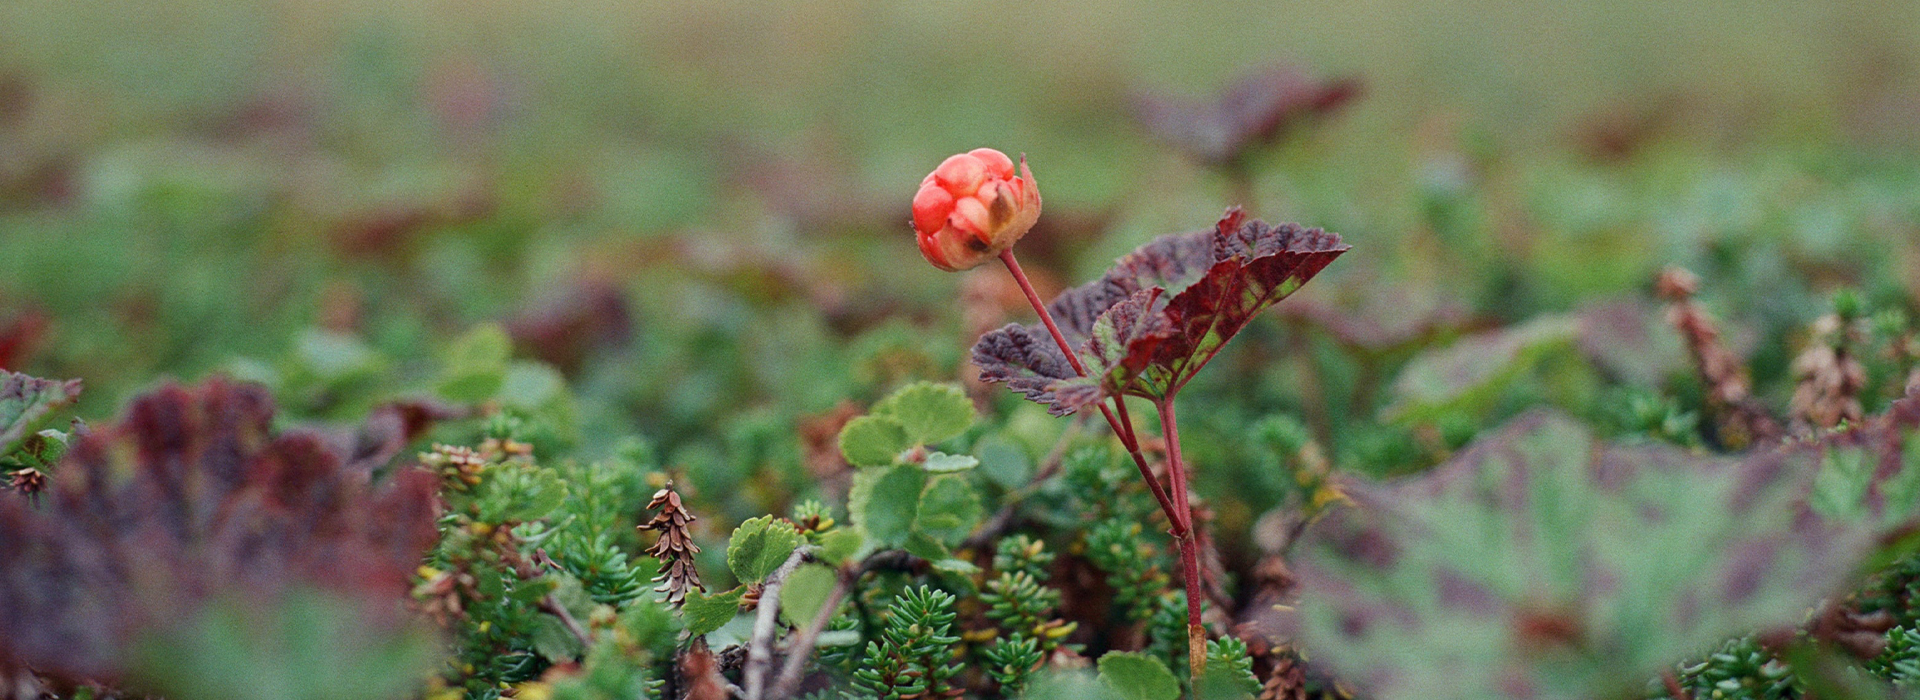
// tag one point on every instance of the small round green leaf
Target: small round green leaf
(873, 441)
(805, 592)
(1137, 676)
(884, 502)
(840, 544)
(476, 364)
(941, 463)
(706, 613)
(930, 412)
(949, 508)
(759, 546)
(1003, 463)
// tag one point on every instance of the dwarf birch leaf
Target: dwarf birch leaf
(949, 508)
(928, 412)
(1473, 370)
(705, 613)
(476, 364)
(553, 641)
(873, 441)
(760, 545)
(805, 592)
(941, 463)
(840, 544)
(884, 501)
(25, 400)
(1003, 463)
(1137, 676)
(921, 545)
(958, 567)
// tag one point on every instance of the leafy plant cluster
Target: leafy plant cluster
(1551, 470)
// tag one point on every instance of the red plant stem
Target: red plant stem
(1013, 266)
(1123, 425)
(1189, 548)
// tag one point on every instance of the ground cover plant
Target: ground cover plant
(404, 376)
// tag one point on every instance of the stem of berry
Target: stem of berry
(1189, 548)
(1123, 424)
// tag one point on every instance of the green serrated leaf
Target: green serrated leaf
(925, 547)
(929, 412)
(552, 640)
(956, 566)
(839, 545)
(570, 594)
(526, 593)
(943, 463)
(838, 638)
(949, 508)
(25, 400)
(531, 385)
(705, 613)
(1215, 686)
(1137, 676)
(1472, 372)
(805, 592)
(759, 546)
(884, 502)
(1840, 487)
(476, 364)
(1003, 463)
(873, 441)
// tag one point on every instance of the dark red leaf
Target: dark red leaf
(20, 336)
(1026, 359)
(1153, 320)
(1542, 562)
(390, 429)
(193, 497)
(566, 329)
(1253, 112)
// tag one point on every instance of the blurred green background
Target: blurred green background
(324, 195)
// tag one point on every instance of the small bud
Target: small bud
(973, 207)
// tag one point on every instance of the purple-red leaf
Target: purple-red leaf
(1255, 111)
(1543, 563)
(189, 498)
(1149, 324)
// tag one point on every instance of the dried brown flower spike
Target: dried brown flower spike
(675, 548)
(1829, 378)
(1740, 420)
